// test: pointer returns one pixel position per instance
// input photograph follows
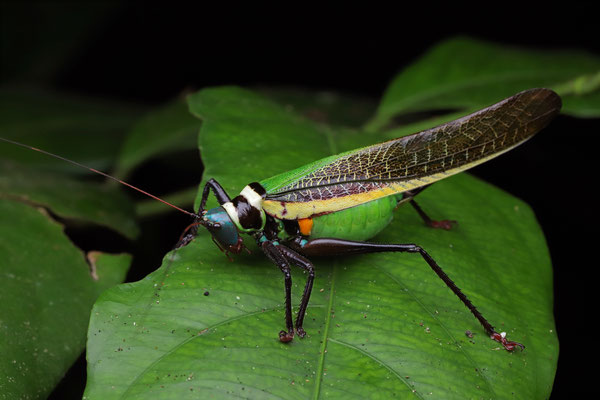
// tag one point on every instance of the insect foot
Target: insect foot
(286, 337)
(501, 338)
(301, 332)
(444, 224)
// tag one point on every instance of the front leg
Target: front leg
(271, 250)
(336, 247)
(220, 193)
(283, 256)
(296, 259)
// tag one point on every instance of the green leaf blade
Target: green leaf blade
(69, 198)
(44, 311)
(378, 325)
(84, 129)
(467, 74)
(268, 129)
(167, 129)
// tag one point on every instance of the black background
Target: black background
(149, 54)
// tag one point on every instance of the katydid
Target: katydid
(330, 207)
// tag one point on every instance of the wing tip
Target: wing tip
(544, 96)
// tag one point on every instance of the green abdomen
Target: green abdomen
(356, 223)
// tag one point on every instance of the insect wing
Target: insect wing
(359, 176)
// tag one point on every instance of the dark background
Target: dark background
(149, 54)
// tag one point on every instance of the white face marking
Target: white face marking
(254, 199)
(232, 212)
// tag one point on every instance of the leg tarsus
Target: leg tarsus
(508, 345)
(446, 224)
(286, 337)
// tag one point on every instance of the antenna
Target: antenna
(98, 172)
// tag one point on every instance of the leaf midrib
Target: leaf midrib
(323, 350)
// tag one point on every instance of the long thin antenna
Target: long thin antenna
(98, 172)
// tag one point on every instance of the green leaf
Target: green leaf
(164, 130)
(468, 74)
(378, 325)
(324, 106)
(50, 285)
(183, 198)
(47, 292)
(289, 141)
(223, 110)
(83, 129)
(85, 202)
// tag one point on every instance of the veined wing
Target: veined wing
(399, 165)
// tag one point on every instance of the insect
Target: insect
(296, 215)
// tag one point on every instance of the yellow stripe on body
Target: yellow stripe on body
(300, 210)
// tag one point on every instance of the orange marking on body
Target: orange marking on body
(305, 225)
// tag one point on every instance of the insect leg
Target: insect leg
(334, 247)
(273, 252)
(189, 234)
(296, 259)
(220, 193)
(409, 196)
(443, 224)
